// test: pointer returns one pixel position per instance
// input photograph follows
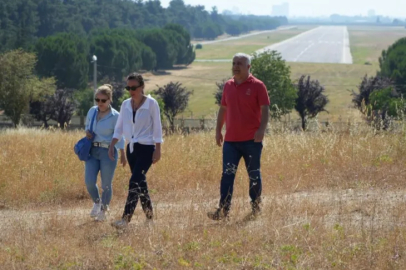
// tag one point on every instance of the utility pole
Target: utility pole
(94, 61)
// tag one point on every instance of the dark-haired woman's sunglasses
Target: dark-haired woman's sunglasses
(132, 88)
(102, 100)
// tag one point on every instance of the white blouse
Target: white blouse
(147, 128)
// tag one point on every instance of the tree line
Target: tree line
(23, 22)
(66, 56)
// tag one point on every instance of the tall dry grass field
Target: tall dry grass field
(332, 200)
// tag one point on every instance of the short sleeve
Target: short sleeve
(263, 97)
(223, 96)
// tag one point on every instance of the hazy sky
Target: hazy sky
(393, 8)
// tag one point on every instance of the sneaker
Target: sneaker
(101, 216)
(96, 210)
(219, 214)
(120, 224)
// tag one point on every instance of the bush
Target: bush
(393, 64)
(199, 46)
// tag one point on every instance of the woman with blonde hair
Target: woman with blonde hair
(103, 119)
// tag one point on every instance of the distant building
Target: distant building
(281, 10)
(371, 13)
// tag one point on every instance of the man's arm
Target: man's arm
(259, 135)
(221, 118)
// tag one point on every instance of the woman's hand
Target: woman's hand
(89, 135)
(156, 156)
(111, 152)
(123, 158)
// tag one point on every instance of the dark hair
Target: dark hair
(137, 77)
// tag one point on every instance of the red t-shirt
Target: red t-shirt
(243, 102)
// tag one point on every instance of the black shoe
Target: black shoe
(219, 214)
(256, 208)
(149, 214)
(148, 211)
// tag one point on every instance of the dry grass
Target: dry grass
(331, 201)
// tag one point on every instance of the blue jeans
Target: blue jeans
(100, 161)
(232, 153)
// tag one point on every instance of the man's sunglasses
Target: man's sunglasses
(132, 88)
(102, 100)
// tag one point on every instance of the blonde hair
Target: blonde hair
(107, 90)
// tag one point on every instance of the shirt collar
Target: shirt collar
(144, 106)
(111, 113)
(248, 80)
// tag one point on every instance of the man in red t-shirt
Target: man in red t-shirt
(245, 111)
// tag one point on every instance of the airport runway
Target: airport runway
(282, 28)
(325, 44)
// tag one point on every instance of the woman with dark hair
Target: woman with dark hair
(140, 123)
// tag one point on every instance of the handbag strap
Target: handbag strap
(91, 125)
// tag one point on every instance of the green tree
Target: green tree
(211, 30)
(161, 45)
(393, 64)
(118, 51)
(148, 58)
(18, 85)
(66, 57)
(51, 14)
(41, 108)
(181, 38)
(270, 68)
(386, 101)
(26, 25)
(234, 29)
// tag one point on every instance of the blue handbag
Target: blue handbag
(83, 146)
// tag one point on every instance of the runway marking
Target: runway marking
(300, 54)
